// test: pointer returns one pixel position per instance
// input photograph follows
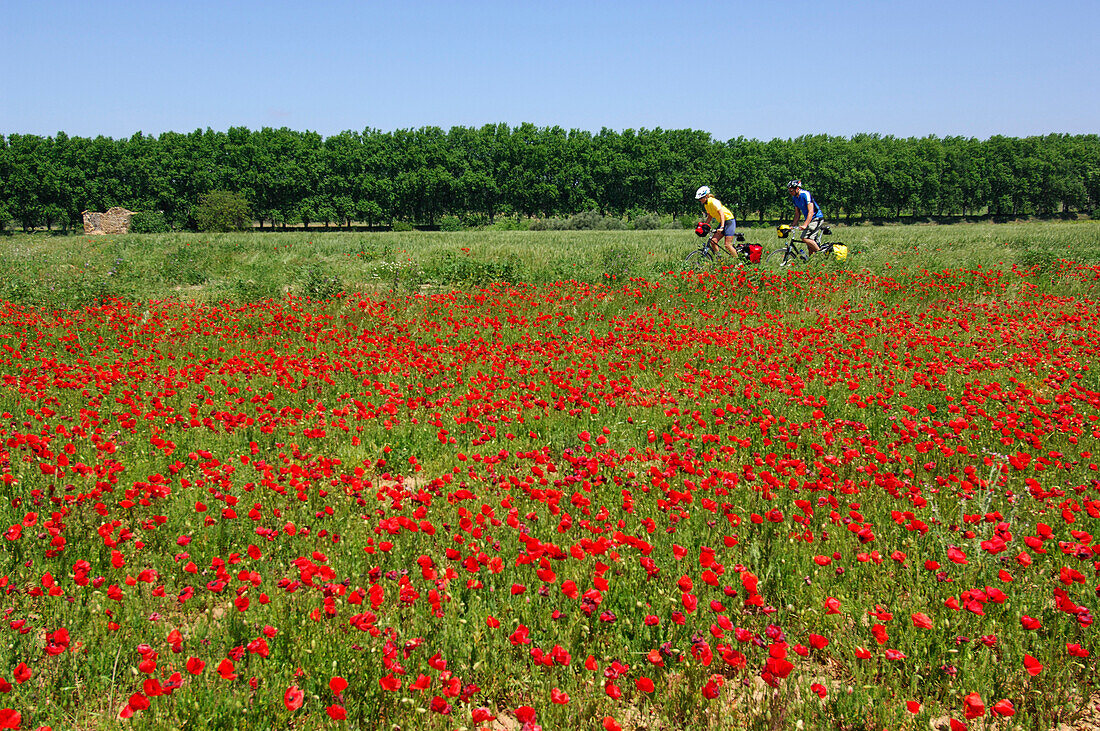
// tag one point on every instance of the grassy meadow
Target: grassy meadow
(61, 271)
(546, 480)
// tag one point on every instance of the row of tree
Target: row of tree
(480, 174)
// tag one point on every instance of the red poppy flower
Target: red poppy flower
(975, 708)
(481, 715)
(10, 718)
(1033, 666)
(21, 673)
(921, 620)
(1076, 650)
(293, 698)
(227, 670)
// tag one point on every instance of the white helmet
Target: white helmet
(702, 192)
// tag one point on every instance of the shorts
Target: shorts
(730, 229)
(812, 230)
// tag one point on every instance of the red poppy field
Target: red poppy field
(819, 499)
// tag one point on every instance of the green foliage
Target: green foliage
(208, 268)
(452, 269)
(586, 221)
(615, 260)
(222, 210)
(507, 175)
(182, 268)
(252, 290)
(402, 226)
(450, 223)
(148, 222)
(317, 284)
(508, 223)
(647, 222)
(593, 221)
(1041, 261)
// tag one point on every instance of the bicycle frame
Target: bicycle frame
(706, 255)
(793, 250)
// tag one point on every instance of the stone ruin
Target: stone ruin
(115, 221)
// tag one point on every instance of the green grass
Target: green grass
(72, 271)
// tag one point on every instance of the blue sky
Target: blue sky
(755, 69)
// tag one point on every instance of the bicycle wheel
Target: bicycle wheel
(698, 260)
(779, 257)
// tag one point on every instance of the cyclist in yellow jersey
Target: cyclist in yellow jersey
(726, 225)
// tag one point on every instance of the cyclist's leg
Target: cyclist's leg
(811, 235)
(713, 242)
(731, 235)
(823, 246)
(728, 245)
(726, 235)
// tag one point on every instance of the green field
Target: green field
(60, 271)
(452, 489)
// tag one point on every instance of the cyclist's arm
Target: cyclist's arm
(810, 210)
(706, 213)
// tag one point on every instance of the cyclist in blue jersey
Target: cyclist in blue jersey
(808, 213)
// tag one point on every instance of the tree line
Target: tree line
(481, 174)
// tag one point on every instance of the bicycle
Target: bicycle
(793, 252)
(705, 257)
